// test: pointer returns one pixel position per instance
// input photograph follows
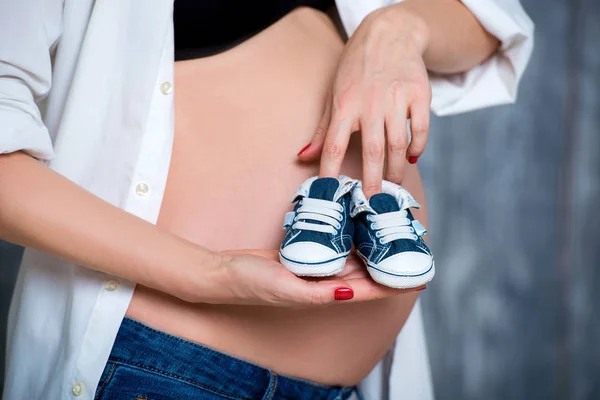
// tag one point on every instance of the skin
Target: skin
(382, 81)
(243, 113)
(20, 175)
(68, 222)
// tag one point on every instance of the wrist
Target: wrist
(404, 21)
(193, 272)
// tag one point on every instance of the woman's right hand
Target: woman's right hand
(255, 277)
(72, 224)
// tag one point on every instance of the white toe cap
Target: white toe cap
(308, 252)
(407, 263)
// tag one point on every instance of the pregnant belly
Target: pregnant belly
(240, 119)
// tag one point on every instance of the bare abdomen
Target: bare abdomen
(240, 119)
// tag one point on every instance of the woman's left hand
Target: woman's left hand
(381, 81)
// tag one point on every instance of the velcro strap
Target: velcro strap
(288, 220)
(419, 229)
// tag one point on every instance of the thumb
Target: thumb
(312, 151)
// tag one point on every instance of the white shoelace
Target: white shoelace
(325, 211)
(392, 226)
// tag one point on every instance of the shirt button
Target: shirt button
(142, 189)
(111, 286)
(77, 389)
(166, 88)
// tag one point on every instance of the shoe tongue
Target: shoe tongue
(324, 189)
(384, 203)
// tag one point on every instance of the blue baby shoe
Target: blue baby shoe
(389, 239)
(319, 230)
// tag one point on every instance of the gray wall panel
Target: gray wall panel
(582, 256)
(514, 200)
(512, 192)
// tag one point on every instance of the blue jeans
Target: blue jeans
(147, 364)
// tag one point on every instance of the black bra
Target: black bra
(207, 27)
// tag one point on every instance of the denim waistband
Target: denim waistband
(144, 347)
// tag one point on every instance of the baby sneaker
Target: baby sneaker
(319, 230)
(389, 239)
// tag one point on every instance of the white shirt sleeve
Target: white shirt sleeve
(492, 83)
(30, 31)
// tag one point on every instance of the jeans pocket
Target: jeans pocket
(125, 382)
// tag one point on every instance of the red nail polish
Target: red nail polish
(413, 159)
(304, 149)
(343, 294)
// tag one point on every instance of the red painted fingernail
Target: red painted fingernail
(423, 288)
(413, 159)
(343, 293)
(304, 149)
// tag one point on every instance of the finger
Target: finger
(335, 145)
(319, 293)
(322, 293)
(373, 145)
(297, 292)
(313, 150)
(397, 141)
(419, 129)
(365, 289)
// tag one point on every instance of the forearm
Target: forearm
(41, 209)
(452, 39)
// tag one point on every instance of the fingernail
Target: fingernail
(343, 293)
(413, 159)
(423, 288)
(304, 149)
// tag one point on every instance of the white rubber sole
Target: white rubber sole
(401, 282)
(397, 281)
(326, 269)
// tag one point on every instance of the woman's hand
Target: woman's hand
(381, 82)
(255, 277)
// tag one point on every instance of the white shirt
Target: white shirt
(86, 86)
